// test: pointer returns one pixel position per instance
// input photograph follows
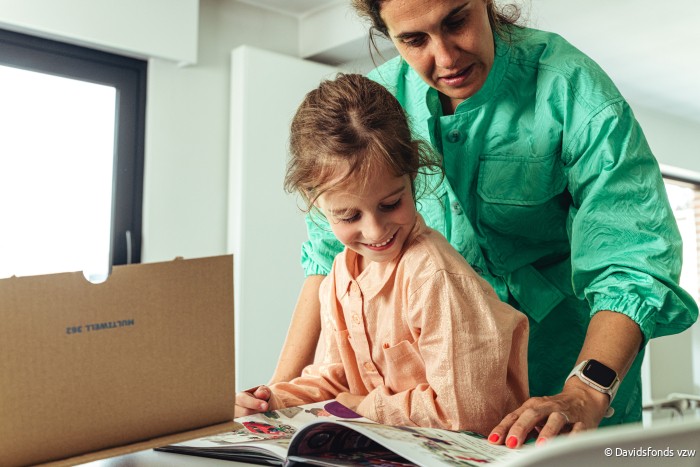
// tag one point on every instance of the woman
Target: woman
(552, 194)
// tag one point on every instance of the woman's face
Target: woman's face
(449, 43)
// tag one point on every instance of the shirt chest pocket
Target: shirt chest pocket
(404, 367)
(520, 181)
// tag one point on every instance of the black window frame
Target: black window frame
(128, 76)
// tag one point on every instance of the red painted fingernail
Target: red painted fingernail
(512, 442)
(494, 437)
(540, 441)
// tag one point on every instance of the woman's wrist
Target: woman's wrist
(591, 400)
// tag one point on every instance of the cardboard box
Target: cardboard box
(89, 371)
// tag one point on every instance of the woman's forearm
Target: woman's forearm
(614, 340)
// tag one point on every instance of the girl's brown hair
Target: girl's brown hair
(351, 127)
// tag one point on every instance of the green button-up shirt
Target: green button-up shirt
(553, 195)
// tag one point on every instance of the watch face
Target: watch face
(599, 373)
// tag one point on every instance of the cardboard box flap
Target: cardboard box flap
(90, 367)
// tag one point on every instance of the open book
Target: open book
(328, 433)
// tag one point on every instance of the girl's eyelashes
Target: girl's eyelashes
(392, 206)
(350, 219)
(353, 217)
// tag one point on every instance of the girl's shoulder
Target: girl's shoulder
(431, 260)
(429, 252)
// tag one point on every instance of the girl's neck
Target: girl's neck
(360, 265)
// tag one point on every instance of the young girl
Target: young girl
(411, 334)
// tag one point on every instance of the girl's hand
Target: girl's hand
(252, 401)
(576, 408)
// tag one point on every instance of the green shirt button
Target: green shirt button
(453, 136)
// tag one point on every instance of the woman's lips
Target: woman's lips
(457, 79)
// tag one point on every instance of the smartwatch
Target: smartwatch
(600, 377)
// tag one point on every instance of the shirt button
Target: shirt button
(477, 270)
(453, 136)
(456, 208)
(368, 366)
(356, 319)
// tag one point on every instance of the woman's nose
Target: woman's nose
(445, 53)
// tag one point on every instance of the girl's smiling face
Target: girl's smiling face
(374, 217)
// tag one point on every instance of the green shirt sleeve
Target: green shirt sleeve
(625, 243)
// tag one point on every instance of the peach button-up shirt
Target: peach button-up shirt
(423, 337)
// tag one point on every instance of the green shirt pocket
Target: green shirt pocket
(520, 180)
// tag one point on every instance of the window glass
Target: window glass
(72, 125)
(56, 158)
(685, 203)
(671, 367)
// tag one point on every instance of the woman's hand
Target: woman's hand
(612, 338)
(252, 401)
(577, 408)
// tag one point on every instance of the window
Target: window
(71, 157)
(685, 202)
(684, 197)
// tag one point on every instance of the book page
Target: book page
(264, 435)
(421, 446)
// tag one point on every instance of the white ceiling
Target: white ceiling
(298, 8)
(651, 49)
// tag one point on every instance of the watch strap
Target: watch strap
(610, 391)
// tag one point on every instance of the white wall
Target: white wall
(674, 140)
(266, 225)
(187, 131)
(138, 28)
